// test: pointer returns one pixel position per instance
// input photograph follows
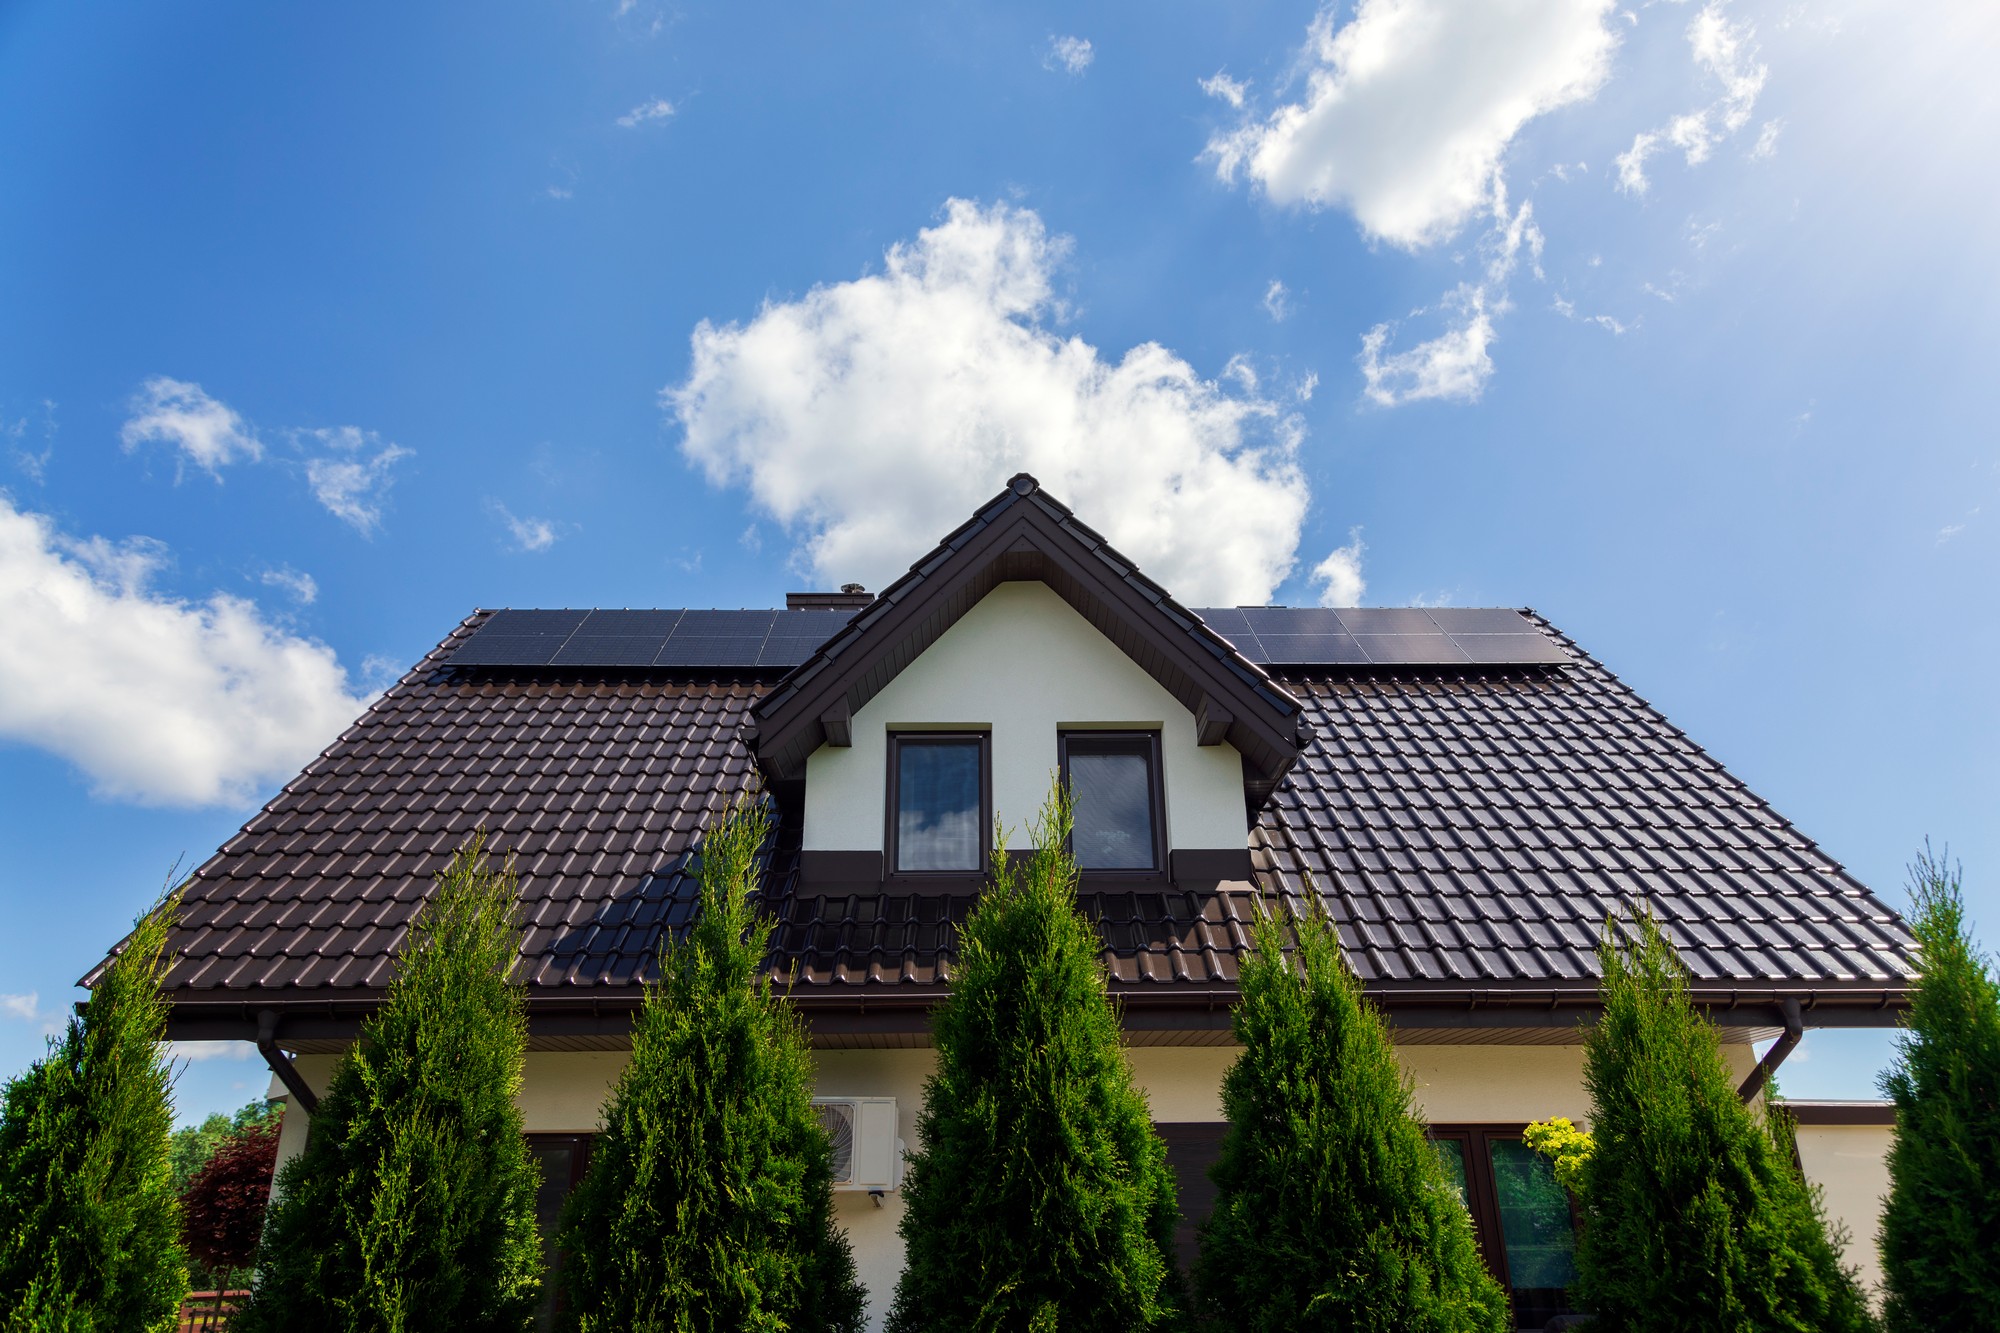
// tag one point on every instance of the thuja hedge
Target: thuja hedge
(1333, 1209)
(89, 1224)
(1041, 1198)
(412, 1206)
(708, 1203)
(1941, 1229)
(1694, 1213)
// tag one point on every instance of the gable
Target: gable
(1024, 666)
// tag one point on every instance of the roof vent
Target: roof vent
(851, 597)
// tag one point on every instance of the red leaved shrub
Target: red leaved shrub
(222, 1210)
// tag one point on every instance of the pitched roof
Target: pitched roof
(1468, 826)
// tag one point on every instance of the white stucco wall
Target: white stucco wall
(1025, 664)
(1851, 1164)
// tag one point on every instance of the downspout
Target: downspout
(281, 1064)
(1795, 1031)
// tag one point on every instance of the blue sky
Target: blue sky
(320, 327)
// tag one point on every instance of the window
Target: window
(1526, 1227)
(562, 1158)
(937, 804)
(1114, 785)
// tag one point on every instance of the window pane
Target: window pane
(1114, 811)
(1452, 1153)
(1536, 1229)
(937, 816)
(558, 1163)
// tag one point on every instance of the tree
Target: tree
(1941, 1229)
(708, 1202)
(193, 1145)
(1041, 1197)
(89, 1227)
(222, 1208)
(1694, 1215)
(1333, 1209)
(412, 1206)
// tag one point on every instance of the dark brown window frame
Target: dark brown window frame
(581, 1143)
(1483, 1195)
(938, 878)
(1157, 775)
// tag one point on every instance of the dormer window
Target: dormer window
(1114, 784)
(938, 800)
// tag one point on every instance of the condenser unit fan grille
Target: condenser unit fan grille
(837, 1118)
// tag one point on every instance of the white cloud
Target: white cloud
(1455, 364)
(1410, 106)
(208, 433)
(28, 1009)
(528, 534)
(644, 114)
(1277, 301)
(1072, 55)
(156, 699)
(1224, 88)
(301, 586)
(1565, 307)
(33, 463)
(1726, 54)
(352, 478)
(1767, 139)
(1339, 575)
(871, 416)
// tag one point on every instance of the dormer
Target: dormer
(1021, 649)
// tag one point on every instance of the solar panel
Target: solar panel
(788, 649)
(609, 650)
(533, 622)
(1510, 647)
(484, 649)
(1311, 649)
(713, 623)
(710, 650)
(1293, 620)
(1387, 620)
(799, 624)
(1432, 649)
(1482, 620)
(634, 624)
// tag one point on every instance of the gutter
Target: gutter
(281, 1064)
(1795, 1031)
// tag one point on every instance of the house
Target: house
(1467, 791)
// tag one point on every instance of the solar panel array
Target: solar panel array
(776, 640)
(646, 639)
(1382, 636)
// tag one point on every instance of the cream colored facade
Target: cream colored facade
(1851, 1164)
(972, 679)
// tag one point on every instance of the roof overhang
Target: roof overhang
(1022, 534)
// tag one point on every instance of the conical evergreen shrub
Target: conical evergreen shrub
(1941, 1229)
(1041, 1198)
(1333, 1210)
(89, 1222)
(412, 1206)
(708, 1203)
(1695, 1216)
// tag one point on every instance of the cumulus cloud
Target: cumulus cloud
(156, 699)
(299, 585)
(28, 1009)
(351, 475)
(531, 535)
(871, 416)
(1409, 107)
(645, 114)
(1223, 88)
(1339, 575)
(1727, 55)
(178, 413)
(1071, 55)
(1456, 363)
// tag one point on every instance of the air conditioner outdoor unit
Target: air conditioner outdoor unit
(867, 1155)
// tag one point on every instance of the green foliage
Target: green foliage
(708, 1203)
(89, 1227)
(412, 1206)
(1941, 1229)
(1567, 1148)
(223, 1207)
(1334, 1211)
(1695, 1216)
(194, 1145)
(1041, 1198)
